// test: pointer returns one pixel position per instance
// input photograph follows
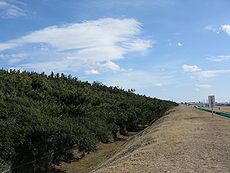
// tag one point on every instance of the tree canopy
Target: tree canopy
(43, 117)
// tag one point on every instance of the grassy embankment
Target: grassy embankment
(94, 159)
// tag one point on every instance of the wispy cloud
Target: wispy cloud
(203, 74)
(110, 66)
(13, 58)
(226, 28)
(91, 72)
(220, 58)
(179, 44)
(218, 29)
(90, 44)
(203, 86)
(138, 45)
(138, 79)
(213, 28)
(211, 73)
(11, 9)
(190, 68)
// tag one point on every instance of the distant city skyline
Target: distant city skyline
(170, 49)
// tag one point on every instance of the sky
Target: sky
(169, 49)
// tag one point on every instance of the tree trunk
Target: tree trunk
(123, 130)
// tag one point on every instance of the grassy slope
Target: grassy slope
(92, 160)
(186, 140)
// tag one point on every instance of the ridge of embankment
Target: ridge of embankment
(185, 140)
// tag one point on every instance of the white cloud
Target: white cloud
(71, 66)
(211, 73)
(179, 44)
(213, 28)
(190, 68)
(55, 66)
(220, 58)
(203, 74)
(5, 46)
(13, 58)
(89, 42)
(138, 45)
(226, 28)
(91, 72)
(203, 86)
(111, 66)
(158, 84)
(90, 34)
(11, 9)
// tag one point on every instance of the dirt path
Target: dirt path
(186, 140)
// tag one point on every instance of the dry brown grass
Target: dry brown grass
(186, 140)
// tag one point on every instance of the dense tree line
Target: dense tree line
(43, 117)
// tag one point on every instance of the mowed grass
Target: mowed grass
(93, 159)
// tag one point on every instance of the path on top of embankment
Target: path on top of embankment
(185, 140)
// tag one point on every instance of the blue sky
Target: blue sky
(170, 49)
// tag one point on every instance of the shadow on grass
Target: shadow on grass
(120, 139)
(54, 170)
